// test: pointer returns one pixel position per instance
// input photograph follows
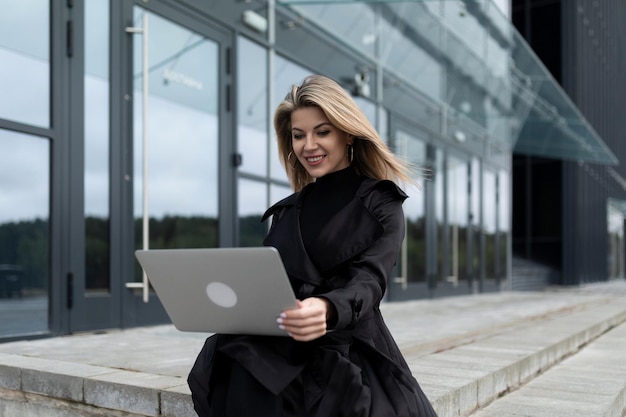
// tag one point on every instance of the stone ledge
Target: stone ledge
(589, 383)
(491, 367)
(458, 380)
(71, 383)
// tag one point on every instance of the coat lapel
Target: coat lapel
(285, 236)
(351, 231)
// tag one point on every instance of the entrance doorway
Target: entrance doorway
(170, 188)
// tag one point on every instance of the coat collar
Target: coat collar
(352, 230)
(362, 192)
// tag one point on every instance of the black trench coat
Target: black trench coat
(356, 369)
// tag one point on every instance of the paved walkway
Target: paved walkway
(487, 355)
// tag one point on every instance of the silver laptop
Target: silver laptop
(222, 290)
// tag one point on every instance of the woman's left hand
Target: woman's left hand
(308, 321)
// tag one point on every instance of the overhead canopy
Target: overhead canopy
(467, 58)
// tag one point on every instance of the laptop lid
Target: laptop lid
(221, 290)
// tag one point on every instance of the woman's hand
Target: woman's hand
(308, 321)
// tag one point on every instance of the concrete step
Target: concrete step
(465, 378)
(590, 383)
(466, 352)
(36, 387)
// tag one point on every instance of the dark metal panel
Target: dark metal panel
(592, 31)
(58, 173)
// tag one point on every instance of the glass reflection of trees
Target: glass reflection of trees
(182, 138)
(24, 253)
(413, 151)
(490, 222)
(24, 233)
(24, 218)
(96, 124)
(458, 212)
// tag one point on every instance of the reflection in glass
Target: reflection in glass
(504, 229)
(24, 233)
(278, 192)
(465, 27)
(25, 58)
(382, 33)
(413, 260)
(97, 244)
(252, 115)
(615, 221)
(182, 132)
(439, 177)
(383, 125)
(403, 53)
(368, 108)
(489, 222)
(252, 204)
(286, 74)
(475, 199)
(359, 32)
(458, 213)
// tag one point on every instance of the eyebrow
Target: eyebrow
(314, 127)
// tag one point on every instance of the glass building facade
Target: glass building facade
(147, 124)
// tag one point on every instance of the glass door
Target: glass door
(175, 146)
(28, 144)
(458, 225)
(156, 140)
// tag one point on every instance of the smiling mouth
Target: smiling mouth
(314, 159)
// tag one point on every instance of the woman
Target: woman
(339, 236)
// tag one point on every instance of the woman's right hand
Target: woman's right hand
(308, 321)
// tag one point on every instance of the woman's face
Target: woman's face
(319, 146)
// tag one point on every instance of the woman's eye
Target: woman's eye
(298, 136)
(323, 133)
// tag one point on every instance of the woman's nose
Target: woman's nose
(310, 142)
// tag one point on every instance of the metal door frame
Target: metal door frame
(123, 307)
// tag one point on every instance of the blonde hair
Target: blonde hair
(372, 157)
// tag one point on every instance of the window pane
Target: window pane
(24, 233)
(278, 193)
(489, 222)
(439, 177)
(286, 74)
(252, 110)
(504, 215)
(413, 151)
(96, 81)
(458, 213)
(368, 108)
(615, 221)
(252, 205)
(402, 51)
(359, 33)
(181, 146)
(25, 58)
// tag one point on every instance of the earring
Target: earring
(289, 163)
(351, 152)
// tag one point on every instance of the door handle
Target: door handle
(143, 285)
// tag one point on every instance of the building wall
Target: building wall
(594, 64)
(71, 133)
(584, 50)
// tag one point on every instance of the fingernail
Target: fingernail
(279, 320)
(283, 315)
(281, 327)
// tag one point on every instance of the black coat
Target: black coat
(356, 369)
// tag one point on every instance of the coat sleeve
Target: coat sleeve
(370, 270)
